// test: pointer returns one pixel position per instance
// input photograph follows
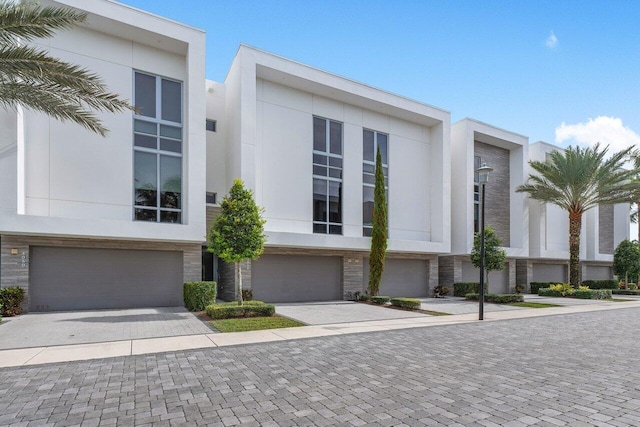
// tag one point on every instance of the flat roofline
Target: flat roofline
(469, 119)
(163, 18)
(282, 58)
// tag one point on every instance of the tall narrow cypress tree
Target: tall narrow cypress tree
(379, 232)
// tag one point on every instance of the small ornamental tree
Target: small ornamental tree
(379, 230)
(494, 256)
(238, 233)
(626, 261)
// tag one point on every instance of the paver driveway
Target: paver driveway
(577, 369)
(75, 327)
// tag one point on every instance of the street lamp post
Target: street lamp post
(483, 174)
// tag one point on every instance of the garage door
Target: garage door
(293, 278)
(82, 279)
(498, 280)
(550, 273)
(402, 278)
(598, 272)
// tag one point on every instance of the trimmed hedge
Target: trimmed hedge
(601, 284)
(11, 301)
(248, 309)
(461, 289)
(546, 292)
(496, 298)
(625, 292)
(198, 295)
(536, 286)
(412, 303)
(380, 299)
(593, 294)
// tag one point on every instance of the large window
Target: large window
(327, 176)
(477, 161)
(157, 149)
(371, 141)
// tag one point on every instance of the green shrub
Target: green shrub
(496, 298)
(231, 310)
(440, 291)
(601, 284)
(198, 295)
(247, 295)
(625, 292)
(633, 286)
(11, 301)
(380, 299)
(461, 289)
(536, 286)
(412, 303)
(548, 292)
(601, 294)
(364, 297)
(564, 289)
(582, 294)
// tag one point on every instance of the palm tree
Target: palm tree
(578, 179)
(635, 156)
(31, 78)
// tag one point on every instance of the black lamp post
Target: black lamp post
(483, 174)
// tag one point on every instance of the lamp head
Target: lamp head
(483, 173)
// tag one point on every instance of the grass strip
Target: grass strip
(245, 324)
(534, 304)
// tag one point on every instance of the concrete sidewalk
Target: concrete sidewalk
(53, 354)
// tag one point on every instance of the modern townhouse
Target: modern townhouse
(472, 144)
(91, 222)
(603, 228)
(304, 141)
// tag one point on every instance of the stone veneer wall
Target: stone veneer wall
(498, 193)
(605, 229)
(524, 273)
(14, 269)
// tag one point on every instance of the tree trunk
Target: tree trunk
(638, 222)
(239, 282)
(486, 278)
(575, 225)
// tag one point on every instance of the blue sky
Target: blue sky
(526, 66)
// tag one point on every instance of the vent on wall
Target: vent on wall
(212, 198)
(211, 125)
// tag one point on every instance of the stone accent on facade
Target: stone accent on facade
(498, 193)
(212, 213)
(449, 270)
(14, 268)
(352, 276)
(605, 229)
(227, 285)
(524, 273)
(434, 274)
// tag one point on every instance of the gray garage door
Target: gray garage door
(293, 278)
(550, 273)
(498, 280)
(82, 279)
(402, 278)
(598, 272)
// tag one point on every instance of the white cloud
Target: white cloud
(552, 40)
(605, 130)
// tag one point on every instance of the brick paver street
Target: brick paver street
(578, 369)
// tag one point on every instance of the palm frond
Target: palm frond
(28, 21)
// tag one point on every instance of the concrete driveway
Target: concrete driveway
(80, 327)
(324, 313)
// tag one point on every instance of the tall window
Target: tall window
(157, 149)
(327, 176)
(371, 141)
(476, 194)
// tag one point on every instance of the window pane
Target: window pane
(320, 170)
(319, 159)
(367, 205)
(145, 94)
(145, 127)
(335, 229)
(147, 215)
(335, 205)
(171, 145)
(173, 217)
(367, 231)
(382, 145)
(367, 146)
(336, 138)
(320, 228)
(368, 168)
(335, 173)
(319, 134)
(145, 173)
(368, 179)
(145, 141)
(385, 171)
(171, 132)
(211, 125)
(335, 162)
(170, 182)
(319, 200)
(171, 101)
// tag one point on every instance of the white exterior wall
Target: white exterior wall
(75, 183)
(270, 146)
(463, 136)
(216, 148)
